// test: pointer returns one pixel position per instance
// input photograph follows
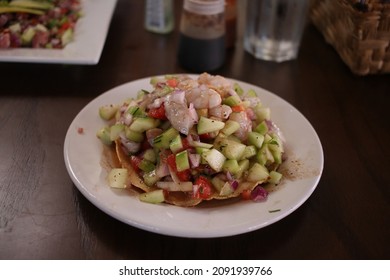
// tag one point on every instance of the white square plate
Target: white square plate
(86, 48)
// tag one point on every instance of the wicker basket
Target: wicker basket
(358, 30)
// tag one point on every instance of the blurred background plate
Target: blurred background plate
(86, 48)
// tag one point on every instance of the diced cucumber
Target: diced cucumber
(278, 141)
(226, 190)
(164, 140)
(206, 125)
(264, 155)
(276, 153)
(244, 166)
(198, 144)
(141, 93)
(214, 158)
(134, 135)
(28, 35)
(150, 155)
(156, 196)
(231, 149)
(262, 113)
(251, 93)
(136, 111)
(200, 150)
(143, 124)
(15, 28)
(231, 165)
(107, 112)
(262, 128)
(246, 104)
(256, 139)
(238, 89)
(117, 178)
(275, 177)
(175, 187)
(267, 138)
(151, 178)
(249, 152)
(234, 138)
(146, 165)
(257, 173)
(232, 100)
(104, 135)
(176, 144)
(67, 36)
(218, 140)
(116, 130)
(230, 127)
(182, 162)
(218, 183)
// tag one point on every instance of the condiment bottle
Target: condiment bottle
(159, 16)
(202, 35)
(231, 23)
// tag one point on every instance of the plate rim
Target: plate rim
(183, 233)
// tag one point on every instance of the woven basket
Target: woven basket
(358, 30)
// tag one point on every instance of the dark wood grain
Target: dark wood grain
(44, 216)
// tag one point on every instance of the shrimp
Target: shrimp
(221, 112)
(180, 116)
(245, 124)
(203, 97)
(218, 83)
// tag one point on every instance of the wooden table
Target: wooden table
(44, 216)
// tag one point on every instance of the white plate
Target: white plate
(86, 48)
(83, 157)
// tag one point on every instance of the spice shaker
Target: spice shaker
(202, 35)
(159, 16)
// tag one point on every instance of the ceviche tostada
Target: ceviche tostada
(187, 140)
(46, 24)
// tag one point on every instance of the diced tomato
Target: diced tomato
(171, 160)
(246, 195)
(145, 145)
(172, 82)
(185, 143)
(158, 113)
(205, 136)
(238, 108)
(204, 187)
(135, 162)
(184, 175)
(64, 11)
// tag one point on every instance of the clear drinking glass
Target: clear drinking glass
(274, 28)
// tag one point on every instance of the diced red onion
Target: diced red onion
(194, 160)
(131, 147)
(128, 118)
(229, 176)
(195, 189)
(177, 96)
(234, 184)
(153, 133)
(173, 175)
(259, 194)
(193, 113)
(156, 103)
(162, 170)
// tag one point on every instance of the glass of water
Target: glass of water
(274, 28)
